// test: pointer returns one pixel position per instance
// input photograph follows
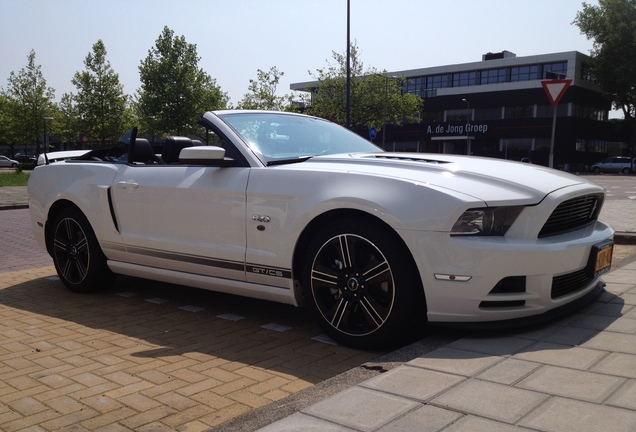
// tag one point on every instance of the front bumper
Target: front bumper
(477, 265)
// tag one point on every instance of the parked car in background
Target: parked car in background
(6, 162)
(299, 210)
(25, 157)
(616, 164)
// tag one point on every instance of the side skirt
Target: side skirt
(263, 292)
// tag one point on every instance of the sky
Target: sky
(235, 38)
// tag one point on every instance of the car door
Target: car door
(184, 218)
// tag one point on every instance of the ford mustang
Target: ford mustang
(296, 209)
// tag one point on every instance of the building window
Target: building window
(523, 111)
(588, 112)
(438, 81)
(463, 79)
(555, 70)
(524, 73)
(432, 116)
(544, 111)
(488, 113)
(458, 115)
(415, 86)
(493, 76)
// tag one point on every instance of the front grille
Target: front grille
(569, 283)
(572, 214)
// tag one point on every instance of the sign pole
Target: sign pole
(551, 158)
(554, 89)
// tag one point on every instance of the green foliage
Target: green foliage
(100, 97)
(612, 26)
(27, 100)
(174, 90)
(375, 96)
(15, 178)
(262, 93)
(68, 119)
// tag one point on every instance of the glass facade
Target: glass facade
(426, 86)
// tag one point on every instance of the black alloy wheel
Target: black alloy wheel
(78, 259)
(360, 285)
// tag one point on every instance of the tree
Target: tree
(612, 26)
(28, 101)
(263, 93)
(7, 132)
(68, 119)
(174, 91)
(100, 96)
(376, 98)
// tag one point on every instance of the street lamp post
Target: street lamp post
(46, 137)
(467, 123)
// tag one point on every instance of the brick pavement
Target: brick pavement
(143, 356)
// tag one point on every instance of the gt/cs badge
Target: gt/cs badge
(261, 218)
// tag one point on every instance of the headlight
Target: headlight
(486, 221)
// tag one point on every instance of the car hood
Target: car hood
(486, 179)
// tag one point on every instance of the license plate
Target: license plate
(602, 256)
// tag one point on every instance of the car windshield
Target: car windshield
(279, 137)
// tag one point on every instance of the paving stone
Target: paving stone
(471, 423)
(560, 414)
(575, 384)
(413, 383)
(301, 422)
(496, 345)
(423, 419)
(361, 408)
(490, 400)
(455, 361)
(561, 355)
(625, 397)
(617, 364)
(509, 371)
(613, 342)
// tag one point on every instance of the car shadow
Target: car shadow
(582, 328)
(146, 321)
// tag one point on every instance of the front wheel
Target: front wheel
(626, 170)
(79, 261)
(362, 286)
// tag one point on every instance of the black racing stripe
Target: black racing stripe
(194, 259)
(213, 262)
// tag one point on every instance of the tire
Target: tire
(79, 261)
(361, 287)
(626, 170)
(596, 170)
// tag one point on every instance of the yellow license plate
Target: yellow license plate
(603, 258)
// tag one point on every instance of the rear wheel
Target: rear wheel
(362, 286)
(626, 170)
(79, 261)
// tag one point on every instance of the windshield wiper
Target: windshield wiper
(288, 161)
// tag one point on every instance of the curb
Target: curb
(13, 206)
(625, 238)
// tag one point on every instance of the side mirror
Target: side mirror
(205, 155)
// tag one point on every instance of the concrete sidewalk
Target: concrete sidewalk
(576, 374)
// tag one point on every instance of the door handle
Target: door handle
(127, 185)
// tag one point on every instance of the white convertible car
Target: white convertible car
(299, 210)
